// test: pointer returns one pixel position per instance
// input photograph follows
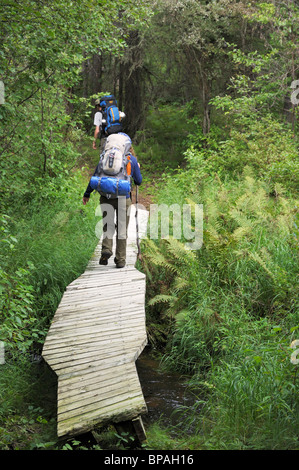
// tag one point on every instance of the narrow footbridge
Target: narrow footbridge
(96, 335)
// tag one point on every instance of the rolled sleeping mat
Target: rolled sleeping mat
(109, 185)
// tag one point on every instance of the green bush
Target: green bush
(45, 248)
(162, 143)
(230, 310)
(253, 400)
(264, 144)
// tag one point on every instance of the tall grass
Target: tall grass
(231, 308)
(45, 246)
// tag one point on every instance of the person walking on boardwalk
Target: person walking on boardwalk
(97, 121)
(107, 120)
(115, 193)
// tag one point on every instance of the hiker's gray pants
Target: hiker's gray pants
(119, 207)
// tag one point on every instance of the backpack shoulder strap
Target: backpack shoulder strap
(129, 165)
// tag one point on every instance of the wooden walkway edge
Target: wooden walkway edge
(95, 337)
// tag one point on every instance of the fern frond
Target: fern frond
(242, 219)
(150, 245)
(181, 316)
(241, 232)
(260, 259)
(178, 250)
(160, 261)
(162, 298)
(180, 283)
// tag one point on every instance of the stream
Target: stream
(164, 392)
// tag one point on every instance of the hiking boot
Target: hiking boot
(119, 264)
(104, 259)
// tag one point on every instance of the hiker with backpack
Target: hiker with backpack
(112, 179)
(107, 119)
(98, 121)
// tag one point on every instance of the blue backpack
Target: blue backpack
(113, 174)
(111, 114)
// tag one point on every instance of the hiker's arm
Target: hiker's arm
(96, 135)
(89, 189)
(98, 117)
(136, 174)
(87, 194)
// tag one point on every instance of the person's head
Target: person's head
(98, 105)
(132, 151)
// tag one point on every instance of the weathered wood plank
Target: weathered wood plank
(76, 337)
(96, 399)
(119, 347)
(95, 337)
(126, 410)
(75, 318)
(96, 325)
(94, 302)
(94, 383)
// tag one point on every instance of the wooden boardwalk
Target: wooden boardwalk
(96, 335)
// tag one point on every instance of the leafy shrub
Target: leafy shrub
(163, 141)
(254, 401)
(43, 251)
(222, 300)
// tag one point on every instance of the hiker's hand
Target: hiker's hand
(94, 145)
(85, 200)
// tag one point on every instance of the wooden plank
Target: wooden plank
(76, 336)
(114, 413)
(96, 345)
(74, 378)
(92, 311)
(99, 403)
(94, 316)
(67, 304)
(60, 360)
(73, 322)
(104, 382)
(116, 393)
(95, 337)
(92, 343)
(71, 347)
(100, 378)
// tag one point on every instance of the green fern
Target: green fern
(181, 283)
(162, 298)
(177, 250)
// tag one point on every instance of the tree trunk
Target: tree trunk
(133, 86)
(206, 125)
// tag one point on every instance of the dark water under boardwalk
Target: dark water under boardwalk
(164, 392)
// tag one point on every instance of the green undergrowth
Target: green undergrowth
(224, 314)
(46, 243)
(227, 313)
(44, 247)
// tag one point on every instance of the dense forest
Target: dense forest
(210, 90)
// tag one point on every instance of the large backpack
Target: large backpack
(111, 115)
(113, 175)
